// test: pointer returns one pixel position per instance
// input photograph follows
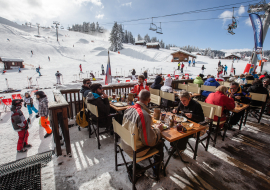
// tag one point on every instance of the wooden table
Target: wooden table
(117, 108)
(173, 136)
(238, 109)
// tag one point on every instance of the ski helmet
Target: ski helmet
(27, 93)
(16, 102)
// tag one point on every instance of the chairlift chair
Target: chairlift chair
(159, 29)
(153, 27)
(233, 25)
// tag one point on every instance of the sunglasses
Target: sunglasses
(88, 83)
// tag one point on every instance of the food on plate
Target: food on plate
(187, 126)
(155, 121)
(180, 119)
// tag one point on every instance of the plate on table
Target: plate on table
(180, 119)
(120, 104)
(163, 125)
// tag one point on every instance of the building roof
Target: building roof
(153, 44)
(227, 55)
(140, 41)
(184, 52)
(12, 59)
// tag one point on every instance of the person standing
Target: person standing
(80, 68)
(133, 74)
(193, 62)
(189, 62)
(32, 52)
(58, 75)
(179, 66)
(219, 63)
(49, 58)
(20, 125)
(28, 102)
(145, 74)
(43, 112)
(182, 68)
(102, 69)
(203, 69)
(225, 69)
(19, 69)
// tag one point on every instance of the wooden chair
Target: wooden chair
(227, 84)
(167, 96)
(206, 88)
(93, 110)
(250, 81)
(209, 112)
(221, 82)
(258, 110)
(154, 91)
(192, 84)
(130, 140)
(182, 86)
(155, 100)
(218, 113)
(194, 89)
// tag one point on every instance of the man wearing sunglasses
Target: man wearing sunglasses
(85, 87)
(98, 98)
(241, 96)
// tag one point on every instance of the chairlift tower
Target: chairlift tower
(56, 27)
(258, 8)
(38, 27)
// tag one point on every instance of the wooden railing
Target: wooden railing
(75, 100)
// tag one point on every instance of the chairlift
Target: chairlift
(159, 29)
(233, 25)
(153, 27)
(62, 27)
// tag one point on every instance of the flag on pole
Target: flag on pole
(108, 78)
(232, 70)
(258, 33)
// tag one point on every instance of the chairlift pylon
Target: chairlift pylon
(153, 27)
(159, 29)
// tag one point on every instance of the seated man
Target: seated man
(85, 87)
(140, 86)
(210, 82)
(240, 96)
(190, 109)
(257, 87)
(220, 98)
(137, 119)
(98, 98)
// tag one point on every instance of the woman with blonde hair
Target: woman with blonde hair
(220, 98)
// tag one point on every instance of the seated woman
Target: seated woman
(220, 98)
(190, 109)
(241, 80)
(156, 84)
(167, 87)
(257, 87)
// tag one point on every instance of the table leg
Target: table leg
(246, 116)
(209, 135)
(196, 145)
(241, 121)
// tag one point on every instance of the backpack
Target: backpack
(81, 118)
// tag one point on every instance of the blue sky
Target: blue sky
(204, 34)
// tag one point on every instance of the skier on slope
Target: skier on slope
(58, 75)
(20, 124)
(19, 69)
(182, 68)
(49, 58)
(32, 52)
(38, 71)
(203, 68)
(189, 62)
(102, 69)
(80, 68)
(225, 69)
(193, 63)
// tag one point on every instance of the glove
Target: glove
(24, 104)
(29, 120)
(37, 116)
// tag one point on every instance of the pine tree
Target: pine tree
(139, 37)
(147, 38)
(116, 38)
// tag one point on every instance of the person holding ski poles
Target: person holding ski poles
(102, 69)
(38, 71)
(80, 68)
(28, 102)
(203, 69)
(58, 75)
(189, 62)
(193, 63)
(20, 124)
(182, 68)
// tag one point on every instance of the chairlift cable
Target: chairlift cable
(189, 12)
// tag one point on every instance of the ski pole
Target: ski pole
(7, 83)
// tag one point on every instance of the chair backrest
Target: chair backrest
(208, 111)
(155, 99)
(167, 95)
(194, 89)
(208, 88)
(124, 134)
(221, 82)
(218, 109)
(154, 91)
(16, 96)
(258, 97)
(182, 86)
(227, 84)
(7, 101)
(192, 84)
(250, 81)
(93, 109)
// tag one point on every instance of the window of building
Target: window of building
(176, 58)
(13, 63)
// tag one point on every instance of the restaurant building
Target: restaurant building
(12, 63)
(182, 56)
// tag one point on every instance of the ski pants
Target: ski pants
(58, 80)
(225, 72)
(182, 70)
(45, 123)
(103, 72)
(23, 138)
(30, 108)
(202, 71)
